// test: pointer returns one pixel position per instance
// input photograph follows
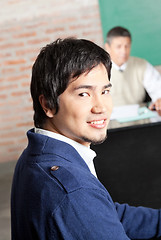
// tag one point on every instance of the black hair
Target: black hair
(117, 32)
(56, 64)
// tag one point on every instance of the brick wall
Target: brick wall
(25, 27)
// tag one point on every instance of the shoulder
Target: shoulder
(137, 61)
(72, 178)
(65, 183)
(64, 176)
(60, 174)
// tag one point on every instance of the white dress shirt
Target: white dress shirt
(151, 81)
(86, 153)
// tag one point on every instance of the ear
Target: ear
(107, 47)
(49, 113)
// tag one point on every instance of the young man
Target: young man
(131, 76)
(55, 191)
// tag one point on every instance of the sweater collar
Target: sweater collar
(86, 153)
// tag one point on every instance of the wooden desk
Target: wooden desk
(128, 163)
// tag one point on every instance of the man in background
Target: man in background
(56, 193)
(131, 76)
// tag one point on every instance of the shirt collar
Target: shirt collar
(86, 153)
(120, 68)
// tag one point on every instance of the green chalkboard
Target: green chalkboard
(142, 18)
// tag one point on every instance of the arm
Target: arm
(88, 214)
(156, 106)
(86, 211)
(152, 84)
(139, 222)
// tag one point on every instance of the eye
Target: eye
(106, 91)
(84, 94)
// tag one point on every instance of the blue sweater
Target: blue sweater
(67, 201)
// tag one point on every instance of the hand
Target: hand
(156, 106)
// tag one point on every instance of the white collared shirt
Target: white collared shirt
(86, 153)
(151, 81)
(119, 68)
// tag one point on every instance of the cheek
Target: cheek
(70, 115)
(79, 110)
(77, 115)
(109, 105)
(117, 54)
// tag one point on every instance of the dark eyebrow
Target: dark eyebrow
(107, 86)
(91, 87)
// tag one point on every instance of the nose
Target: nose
(123, 50)
(98, 106)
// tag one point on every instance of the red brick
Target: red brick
(9, 158)
(3, 96)
(23, 140)
(91, 32)
(38, 41)
(3, 112)
(80, 26)
(8, 70)
(9, 103)
(25, 35)
(4, 55)
(33, 59)
(2, 88)
(63, 20)
(25, 52)
(29, 108)
(2, 39)
(10, 118)
(19, 93)
(13, 1)
(6, 143)
(6, 128)
(54, 30)
(26, 84)
(37, 25)
(11, 134)
(17, 78)
(26, 124)
(14, 62)
(11, 45)
(16, 149)
(26, 68)
(12, 28)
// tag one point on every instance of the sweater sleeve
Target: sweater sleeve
(139, 222)
(87, 214)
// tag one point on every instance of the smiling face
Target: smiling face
(84, 108)
(119, 49)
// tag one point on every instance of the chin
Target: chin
(95, 141)
(98, 142)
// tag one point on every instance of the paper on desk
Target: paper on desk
(143, 113)
(132, 113)
(125, 111)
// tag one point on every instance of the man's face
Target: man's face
(119, 49)
(84, 108)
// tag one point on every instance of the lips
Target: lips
(98, 123)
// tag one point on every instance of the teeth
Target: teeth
(98, 122)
